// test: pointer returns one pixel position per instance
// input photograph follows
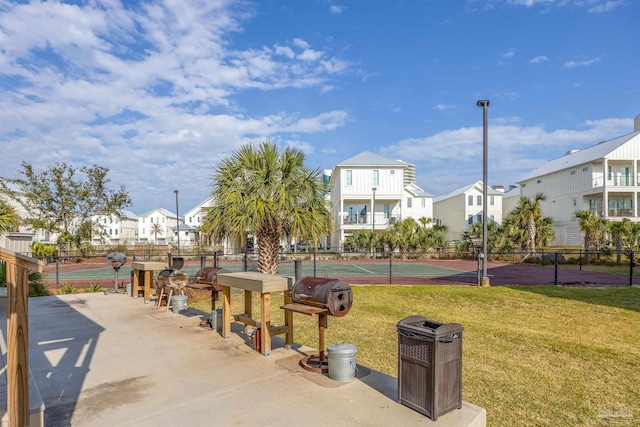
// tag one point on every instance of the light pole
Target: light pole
(177, 220)
(484, 104)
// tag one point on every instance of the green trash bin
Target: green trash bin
(429, 365)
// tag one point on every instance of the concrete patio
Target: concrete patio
(110, 360)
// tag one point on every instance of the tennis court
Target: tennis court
(355, 271)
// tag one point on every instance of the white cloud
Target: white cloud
(336, 10)
(148, 91)
(508, 54)
(513, 150)
(605, 7)
(538, 59)
(443, 107)
(582, 63)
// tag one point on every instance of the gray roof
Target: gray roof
(462, 190)
(587, 155)
(417, 191)
(163, 211)
(183, 227)
(128, 214)
(367, 158)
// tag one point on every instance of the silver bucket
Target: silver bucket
(342, 361)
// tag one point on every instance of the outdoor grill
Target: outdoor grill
(324, 297)
(207, 278)
(333, 295)
(116, 260)
(172, 279)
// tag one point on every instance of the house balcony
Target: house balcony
(359, 222)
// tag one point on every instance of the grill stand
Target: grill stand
(313, 362)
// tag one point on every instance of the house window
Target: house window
(376, 177)
(610, 173)
(575, 204)
(387, 210)
(479, 217)
(409, 202)
(116, 231)
(470, 220)
(573, 172)
(470, 200)
(143, 231)
(392, 172)
(585, 169)
(143, 220)
(163, 220)
(524, 185)
(538, 181)
(151, 220)
(479, 200)
(424, 202)
(492, 218)
(492, 200)
(349, 177)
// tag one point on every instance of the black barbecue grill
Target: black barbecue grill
(324, 297)
(116, 260)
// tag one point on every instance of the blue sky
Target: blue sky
(160, 91)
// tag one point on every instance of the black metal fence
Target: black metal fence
(566, 267)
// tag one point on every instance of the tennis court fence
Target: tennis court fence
(517, 268)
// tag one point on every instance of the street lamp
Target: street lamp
(177, 220)
(484, 104)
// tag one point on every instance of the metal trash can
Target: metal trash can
(178, 303)
(429, 365)
(342, 361)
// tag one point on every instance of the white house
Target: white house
(370, 191)
(115, 230)
(463, 206)
(155, 227)
(510, 200)
(603, 179)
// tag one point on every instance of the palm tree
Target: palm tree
(530, 212)
(593, 228)
(404, 235)
(156, 229)
(620, 231)
(263, 190)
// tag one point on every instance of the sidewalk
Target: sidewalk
(110, 360)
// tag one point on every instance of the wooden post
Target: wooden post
(18, 334)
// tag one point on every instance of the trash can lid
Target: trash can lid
(342, 348)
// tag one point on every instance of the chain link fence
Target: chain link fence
(565, 267)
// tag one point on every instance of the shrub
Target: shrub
(38, 289)
(94, 287)
(67, 289)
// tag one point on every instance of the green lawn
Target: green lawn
(547, 356)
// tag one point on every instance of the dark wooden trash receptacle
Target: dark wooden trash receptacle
(429, 366)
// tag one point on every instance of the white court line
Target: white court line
(363, 269)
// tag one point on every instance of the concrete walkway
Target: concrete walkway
(110, 360)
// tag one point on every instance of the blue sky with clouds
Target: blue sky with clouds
(160, 91)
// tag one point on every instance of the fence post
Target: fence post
(390, 267)
(297, 269)
(555, 278)
(580, 259)
(215, 259)
(630, 268)
(57, 272)
(314, 263)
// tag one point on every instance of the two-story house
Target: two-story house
(603, 179)
(370, 191)
(116, 230)
(463, 206)
(155, 226)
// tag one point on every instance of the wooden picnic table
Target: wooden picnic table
(264, 284)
